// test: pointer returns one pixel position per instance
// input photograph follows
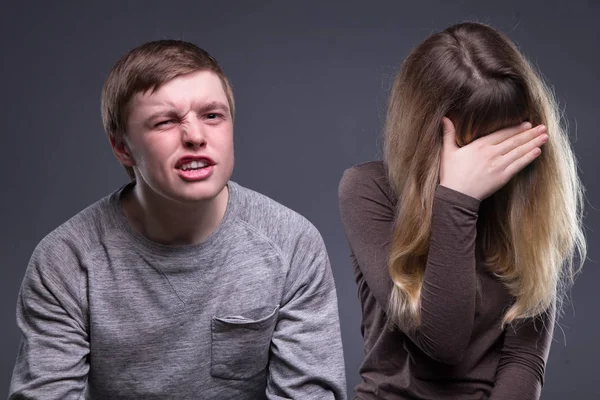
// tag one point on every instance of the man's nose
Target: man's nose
(193, 135)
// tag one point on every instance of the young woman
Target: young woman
(463, 238)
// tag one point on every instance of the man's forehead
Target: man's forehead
(200, 88)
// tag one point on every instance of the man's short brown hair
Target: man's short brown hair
(148, 67)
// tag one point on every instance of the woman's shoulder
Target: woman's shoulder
(369, 169)
(366, 179)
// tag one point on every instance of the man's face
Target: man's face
(180, 138)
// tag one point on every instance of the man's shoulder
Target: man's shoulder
(80, 234)
(275, 221)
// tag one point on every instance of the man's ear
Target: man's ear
(121, 151)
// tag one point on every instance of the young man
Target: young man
(181, 284)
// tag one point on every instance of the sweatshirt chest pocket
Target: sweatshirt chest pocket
(240, 346)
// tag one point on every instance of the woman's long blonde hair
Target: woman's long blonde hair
(530, 230)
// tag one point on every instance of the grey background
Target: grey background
(310, 82)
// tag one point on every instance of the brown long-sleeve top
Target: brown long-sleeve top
(459, 351)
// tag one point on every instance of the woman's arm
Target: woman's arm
(467, 175)
(520, 373)
(449, 288)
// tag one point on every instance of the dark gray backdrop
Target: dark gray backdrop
(310, 82)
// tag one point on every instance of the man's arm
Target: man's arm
(52, 362)
(306, 360)
(520, 373)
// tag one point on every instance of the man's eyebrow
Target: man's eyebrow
(171, 112)
(213, 106)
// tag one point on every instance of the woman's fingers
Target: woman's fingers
(521, 163)
(506, 133)
(519, 152)
(478, 170)
(520, 139)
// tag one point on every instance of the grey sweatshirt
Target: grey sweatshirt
(250, 313)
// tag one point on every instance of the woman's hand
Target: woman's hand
(488, 163)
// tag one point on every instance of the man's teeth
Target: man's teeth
(194, 165)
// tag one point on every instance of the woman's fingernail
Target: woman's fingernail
(526, 125)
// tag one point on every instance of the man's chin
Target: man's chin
(201, 194)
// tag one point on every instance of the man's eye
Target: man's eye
(162, 124)
(213, 116)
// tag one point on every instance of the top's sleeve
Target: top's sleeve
(520, 373)
(307, 360)
(52, 361)
(448, 294)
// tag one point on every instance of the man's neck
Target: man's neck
(173, 223)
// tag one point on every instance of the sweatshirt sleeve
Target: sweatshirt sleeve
(307, 360)
(52, 361)
(520, 373)
(449, 289)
